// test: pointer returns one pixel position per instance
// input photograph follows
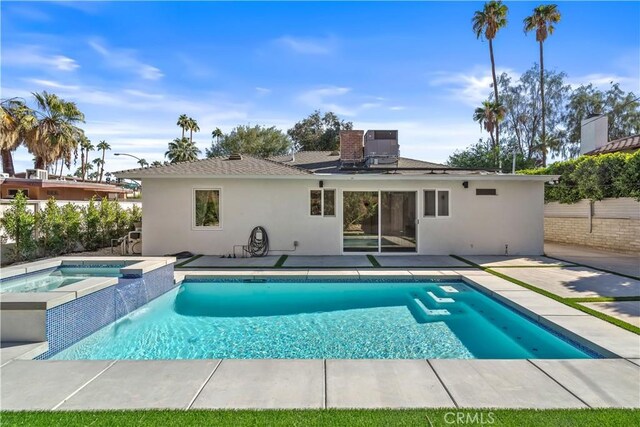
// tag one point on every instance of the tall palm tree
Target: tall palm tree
(143, 163)
(192, 125)
(55, 135)
(487, 22)
(183, 122)
(217, 134)
(542, 21)
(104, 146)
(16, 120)
(182, 150)
(85, 147)
(100, 165)
(489, 116)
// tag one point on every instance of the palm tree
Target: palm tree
(192, 125)
(182, 150)
(543, 19)
(487, 22)
(104, 146)
(183, 122)
(16, 120)
(85, 147)
(55, 134)
(489, 116)
(143, 163)
(217, 134)
(100, 165)
(157, 163)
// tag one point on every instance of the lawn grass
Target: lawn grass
(329, 417)
(281, 261)
(374, 262)
(567, 301)
(187, 261)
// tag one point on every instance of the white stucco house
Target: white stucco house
(363, 199)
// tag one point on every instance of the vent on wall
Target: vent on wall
(486, 192)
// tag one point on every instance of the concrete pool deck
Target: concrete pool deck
(318, 383)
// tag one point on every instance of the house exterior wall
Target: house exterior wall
(477, 224)
(613, 225)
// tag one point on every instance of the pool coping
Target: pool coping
(618, 345)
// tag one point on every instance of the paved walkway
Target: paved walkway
(617, 262)
(576, 282)
(317, 383)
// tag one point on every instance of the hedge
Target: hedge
(592, 177)
(56, 230)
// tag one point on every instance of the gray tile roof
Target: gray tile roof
(217, 166)
(329, 162)
(629, 143)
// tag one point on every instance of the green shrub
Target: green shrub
(108, 221)
(73, 220)
(593, 177)
(18, 223)
(91, 238)
(51, 229)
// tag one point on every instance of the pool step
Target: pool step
(429, 312)
(449, 289)
(440, 300)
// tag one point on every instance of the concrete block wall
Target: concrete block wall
(610, 224)
(606, 233)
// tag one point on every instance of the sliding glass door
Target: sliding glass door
(360, 221)
(379, 221)
(398, 221)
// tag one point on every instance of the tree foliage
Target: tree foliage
(318, 132)
(18, 223)
(255, 140)
(593, 177)
(181, 150)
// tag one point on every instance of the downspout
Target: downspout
(590, 216)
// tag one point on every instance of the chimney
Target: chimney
(594, 132)
(351, 145)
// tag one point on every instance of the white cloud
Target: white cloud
(52, 84)
(327, 99)
(397, 108)
(263, 90)
(33, 56)
(308, 46)
(125, 59)
(470, 87)
(604, 81)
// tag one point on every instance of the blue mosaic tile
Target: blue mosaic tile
(70, 322)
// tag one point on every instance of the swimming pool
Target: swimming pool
(349, 320)
(64, 275)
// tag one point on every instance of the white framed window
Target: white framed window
(322, 202)
(207, 212)
(436, 203)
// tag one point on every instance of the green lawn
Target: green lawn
(330, 417)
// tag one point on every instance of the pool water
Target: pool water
(53, 279)
(351, 320)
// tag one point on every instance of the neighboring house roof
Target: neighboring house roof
(310, 165)
(629, 143)
(50, 183)
(217, 166)
(329, 162)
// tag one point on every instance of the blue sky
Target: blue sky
(417, 67)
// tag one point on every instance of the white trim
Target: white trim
(437, 215)
(195, 227)
(379, 251)
(322, 214)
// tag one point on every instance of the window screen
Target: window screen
(315, 203)
(329, 202)
(429, 202)
(443, 203)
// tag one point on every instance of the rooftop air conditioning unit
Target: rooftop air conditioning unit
(381, 147)
(37, 174)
